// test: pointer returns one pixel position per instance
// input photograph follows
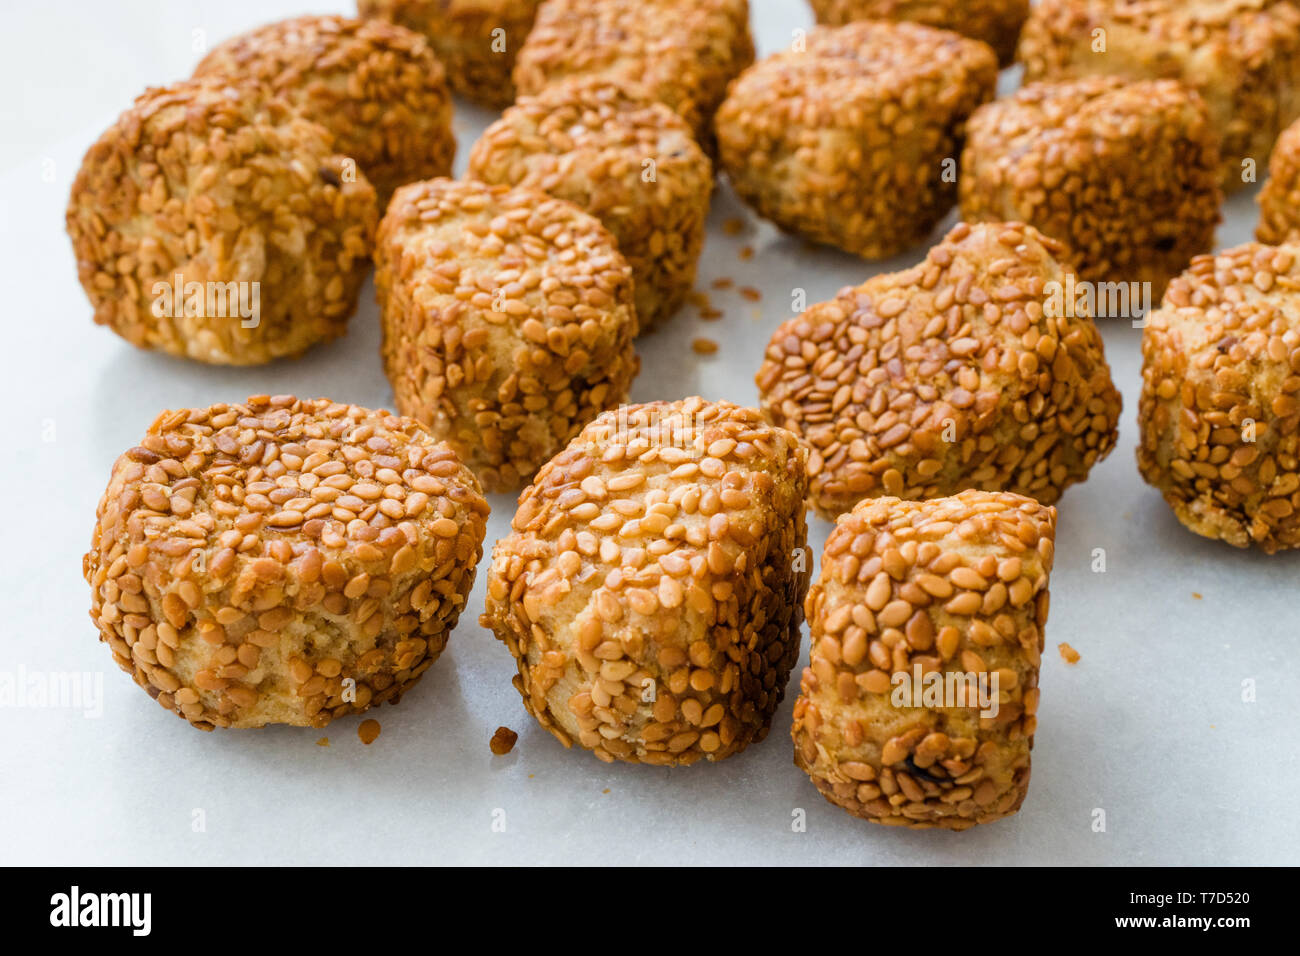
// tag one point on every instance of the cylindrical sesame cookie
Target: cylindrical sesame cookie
(631, 163)
(477, 40)
(377, 87)
(1279, 200)
(1126, 174)
(1242, 56)
(996, 22)
(957, 373)
(682, 53)
(213, 222)
(1220, 407)
(282, 561)
(508, 321)
(853, 141)
(651, 588)
(918, 705)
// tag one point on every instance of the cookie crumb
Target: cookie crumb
(747, 253)
(704, 346)
(1197, 595)
(750, 294)
(323, 742)
(503, 741)
(368, 731)
(723, 283)
(1068, 653)
(606, 790)
(733, 226)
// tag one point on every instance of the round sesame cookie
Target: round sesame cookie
(282, 561)
(377, 87)
(508, 321)
(1279, 200)
(1242, 56)
(211, 221)
(1220, 408)
(477, 40)
(631, 163)
(651, 588)
(918, 705)
(845, 141)
(996, 22)
(682, 53)
(957, 373)
(1124, 173)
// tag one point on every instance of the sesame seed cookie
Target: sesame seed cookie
(1279, 200)
(682, 53)
(949, 375)
(651, 588)
(845, 142)
(1220, 407)
(508, 321)
(996, 22)
(954, 588)
(1126, 174)
(213, 222)
(1242, 56)
(477, 40)
(377, 87)
(282, 561)
(631, 163)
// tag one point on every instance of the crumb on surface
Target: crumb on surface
(1068, 653)
(368, 731)
(503, 741)
(323, 742)
(704, 346)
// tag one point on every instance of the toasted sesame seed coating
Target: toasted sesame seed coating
(377, 87)
(1242, 56)
(1124, 173)
(508, 321)
(954, 585)
(631, 163)
(996, 22)
(844, 142)
(207, 183)
(1220, 407)
(946, 376)
(682, 53)
(651, 590)
(477, 40)
(282, 561)
(1279, 200)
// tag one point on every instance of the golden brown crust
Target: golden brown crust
(1279, 200)
(996, 22)
(947, 376)
(651, 588)
(220, 184)
(1125, 173)
(477, 40)
(282, 561)
(508, 321)
(587, 141)
(844, 142)
(376, 87)
(952, 586)
(682, 53)
(1220, 407)
(1242, 56)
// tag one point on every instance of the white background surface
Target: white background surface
(1149, 726)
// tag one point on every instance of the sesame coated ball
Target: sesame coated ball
(631, 163)
(953, 374)
(1242, 56)
(952, 589)
(682, 53)
(651, 588)
(845, 141)
(1279, 200)
(477, 40)
(996, 22)
(508, 321)
(213, 222)
(1124, 173)
(377, 87)
(282, 561)
(1220, 408)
